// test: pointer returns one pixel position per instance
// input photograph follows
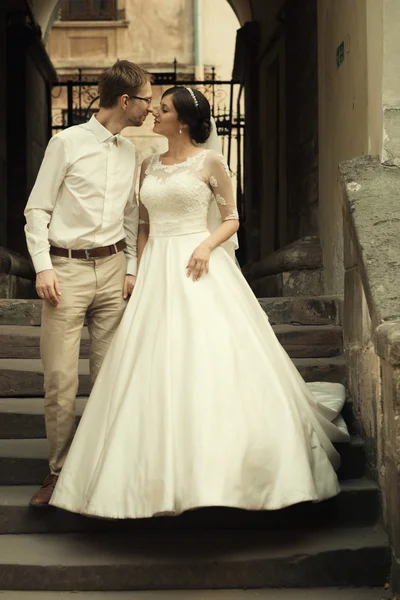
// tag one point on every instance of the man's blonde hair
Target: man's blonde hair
(123, 77)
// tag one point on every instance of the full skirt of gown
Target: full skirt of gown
(197, 404)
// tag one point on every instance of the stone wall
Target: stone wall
(350, 110)
(372, 324)
(391, 82)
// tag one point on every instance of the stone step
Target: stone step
(20, 312)
(290, 283)
(24, 377)
(24, 461)
(357, 505)
(322, 310)
(21, 341)
(350, 593)
(310, 341)
(206, 560)
(22, 418)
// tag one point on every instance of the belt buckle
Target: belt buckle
(87, 254)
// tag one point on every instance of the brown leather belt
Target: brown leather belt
(91, 253)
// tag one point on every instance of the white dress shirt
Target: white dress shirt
(84, 195)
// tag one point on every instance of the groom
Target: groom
(81, 233)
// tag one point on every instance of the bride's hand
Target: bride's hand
(199, 262)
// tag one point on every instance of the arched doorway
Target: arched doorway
(242, 10)
(281, 92)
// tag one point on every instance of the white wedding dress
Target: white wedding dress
(197, 404)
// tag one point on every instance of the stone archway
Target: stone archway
(242, 9)
(45, 12)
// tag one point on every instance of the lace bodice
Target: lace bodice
(175, 199)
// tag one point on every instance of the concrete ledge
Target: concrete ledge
(370, 192)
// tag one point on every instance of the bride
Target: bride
(196, 404)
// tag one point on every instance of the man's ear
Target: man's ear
(123, 101)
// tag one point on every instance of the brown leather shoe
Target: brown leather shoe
(42, 498)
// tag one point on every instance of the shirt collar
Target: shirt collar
(101, 132)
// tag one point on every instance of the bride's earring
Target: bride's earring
(180, 131)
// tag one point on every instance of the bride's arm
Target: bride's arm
(221, 186)
(144, 223)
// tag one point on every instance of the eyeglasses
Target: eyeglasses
(148, 100)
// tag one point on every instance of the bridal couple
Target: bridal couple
(194, 401)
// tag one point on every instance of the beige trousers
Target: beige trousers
(92, 289)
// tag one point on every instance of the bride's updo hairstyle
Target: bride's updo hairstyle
(194, 110)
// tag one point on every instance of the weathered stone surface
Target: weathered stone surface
(355, 314)
(307, 342)
(370, 193)
(322, 369)
(352, 455)
(18, 341)
(391, 140)
(372, 322)
(16, 264)
(207, 560)
(20, 382)
(299, 341)
(357, 505)
(391, 428)
(20, 312)
(387, 342)
(23, 418)
(12, 286)
(290, 283)
(20, 378)
(303, 311)
(302, 254)
(24, 462)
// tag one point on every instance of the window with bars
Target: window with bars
(89, 10)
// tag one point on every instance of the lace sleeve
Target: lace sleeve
(143, 213)
(219, 180)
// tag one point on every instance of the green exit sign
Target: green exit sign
(340, 54)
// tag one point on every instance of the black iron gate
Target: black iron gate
(74, 101)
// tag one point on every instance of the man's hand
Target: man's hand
(47, 287)
(129, 284)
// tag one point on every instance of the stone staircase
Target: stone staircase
(339, 542)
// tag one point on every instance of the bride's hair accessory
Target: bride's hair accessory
(191, 92)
